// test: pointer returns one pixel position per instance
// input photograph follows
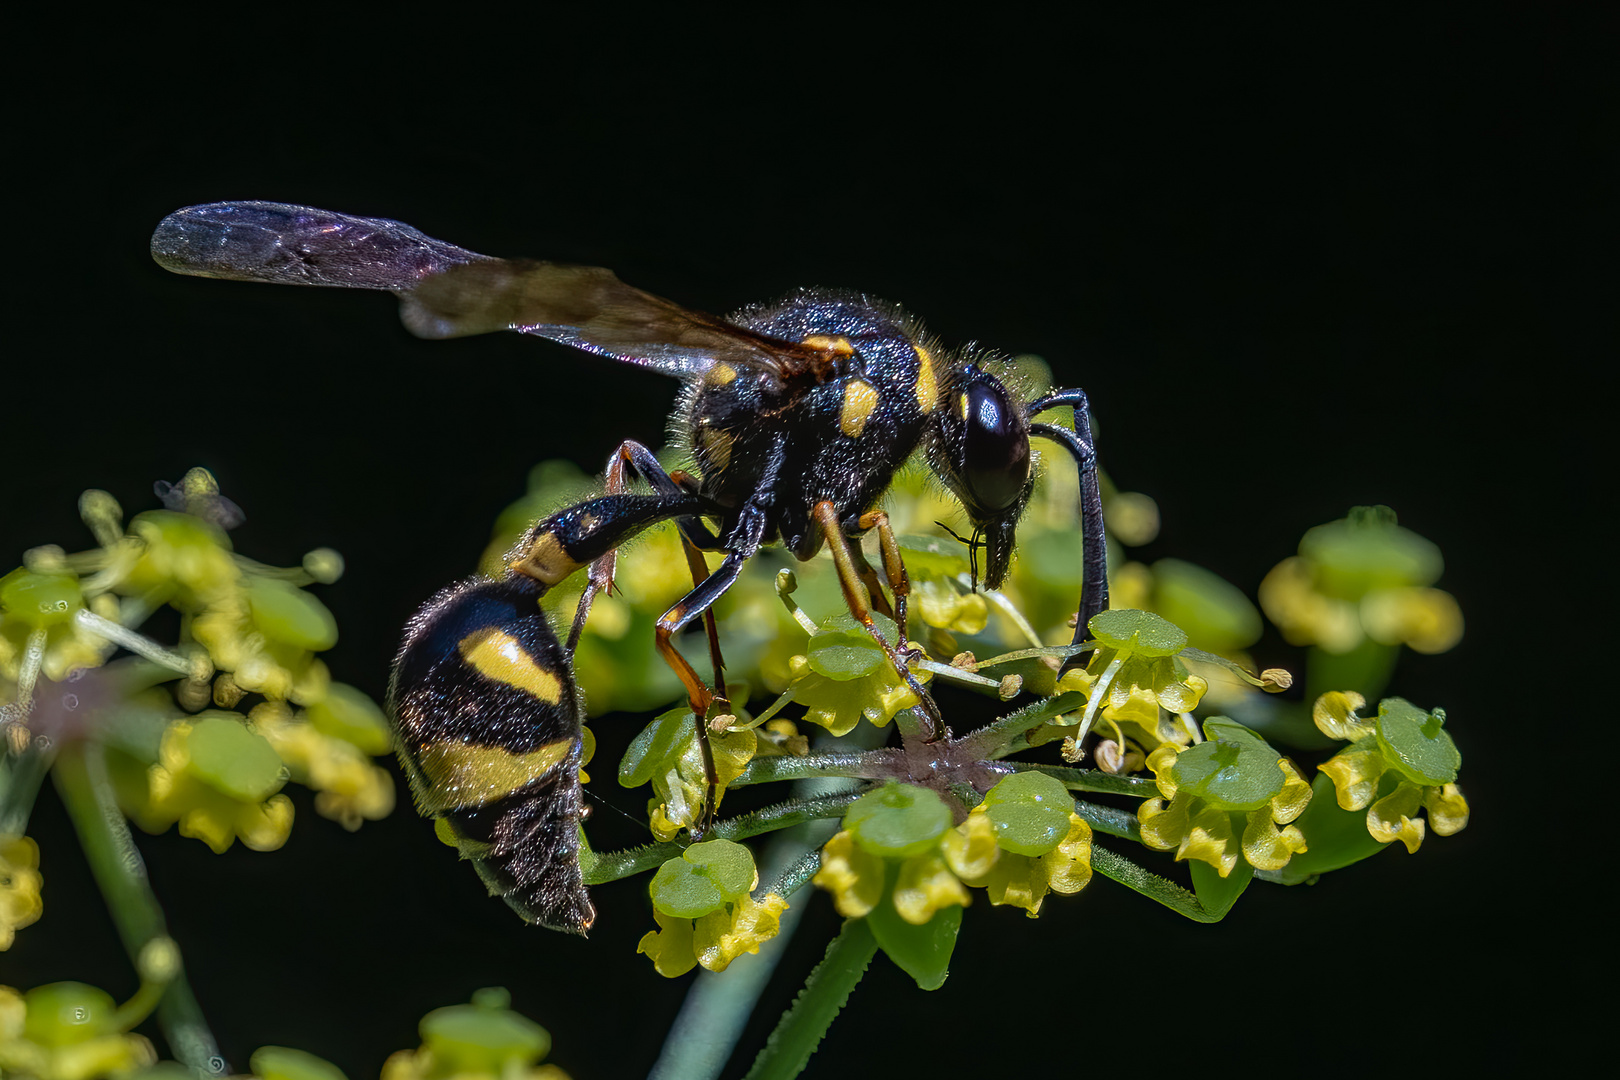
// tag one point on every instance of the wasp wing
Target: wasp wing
(589, 308)
(298, 245)
(448, 291)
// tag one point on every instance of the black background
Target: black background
(1300, 263)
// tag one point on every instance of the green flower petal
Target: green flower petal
(285, 1063)
(1030, 811)
(233, 760)
(288, 614)
(1414, 742)
(897, 820)
(702, 879)
(1142, 632)
(843, 650)
(484, 1037)
(1233, 769)
(39, 600)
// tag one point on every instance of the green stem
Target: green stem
(1095, 780)
(785, 814)
(1002, 736)
(802, 1027)
(81, 778)
(19, 784)
(601, 867)
(860, 764)
(1110, 820)
(1150, 885)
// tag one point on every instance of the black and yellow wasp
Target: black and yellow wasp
(798, 414)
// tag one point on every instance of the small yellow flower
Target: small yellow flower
(20, 881)
(944, 607)
(853, 875)
(839, 706)
(1334, 714)
(350, 789)
(1424, 620)
(234, 796)
(925, 885)
(1355, 775)
(721, 936)
(670, 946)
(1446, 808)
(1024, 880)
(1364, 769)
(970, 849)
(1068, 867)
(714, 940)
(1394, 817)
(1267, 847)
(65, 1031)
(1219, 836)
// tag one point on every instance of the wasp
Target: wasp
(798, 414)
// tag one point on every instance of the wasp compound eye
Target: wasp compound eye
(995, 445)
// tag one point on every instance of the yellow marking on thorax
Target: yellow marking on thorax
(497, 655)
(860, 398)
(720, 374)
(962, 406)
(460, 775)
(927, 383)
(839, 345)
(545, 560)
(716, 446)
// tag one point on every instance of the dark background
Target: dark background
(1300, 263)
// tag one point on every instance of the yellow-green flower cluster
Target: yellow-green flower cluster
(1397, 763)
(1363, 577)
(1134, 683)
(899, 847)
(246, 629)
(485, 1040)
(705, 912)
(20, 903)
(1225, 798)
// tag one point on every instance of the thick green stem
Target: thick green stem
(81, 778)
(802, 1027)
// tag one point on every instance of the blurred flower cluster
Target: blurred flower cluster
(71, 1031)
(203, 732)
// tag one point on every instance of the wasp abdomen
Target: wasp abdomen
(488, 728)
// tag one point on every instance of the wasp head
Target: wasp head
(982, 454)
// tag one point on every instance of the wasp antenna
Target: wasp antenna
(973, 546)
